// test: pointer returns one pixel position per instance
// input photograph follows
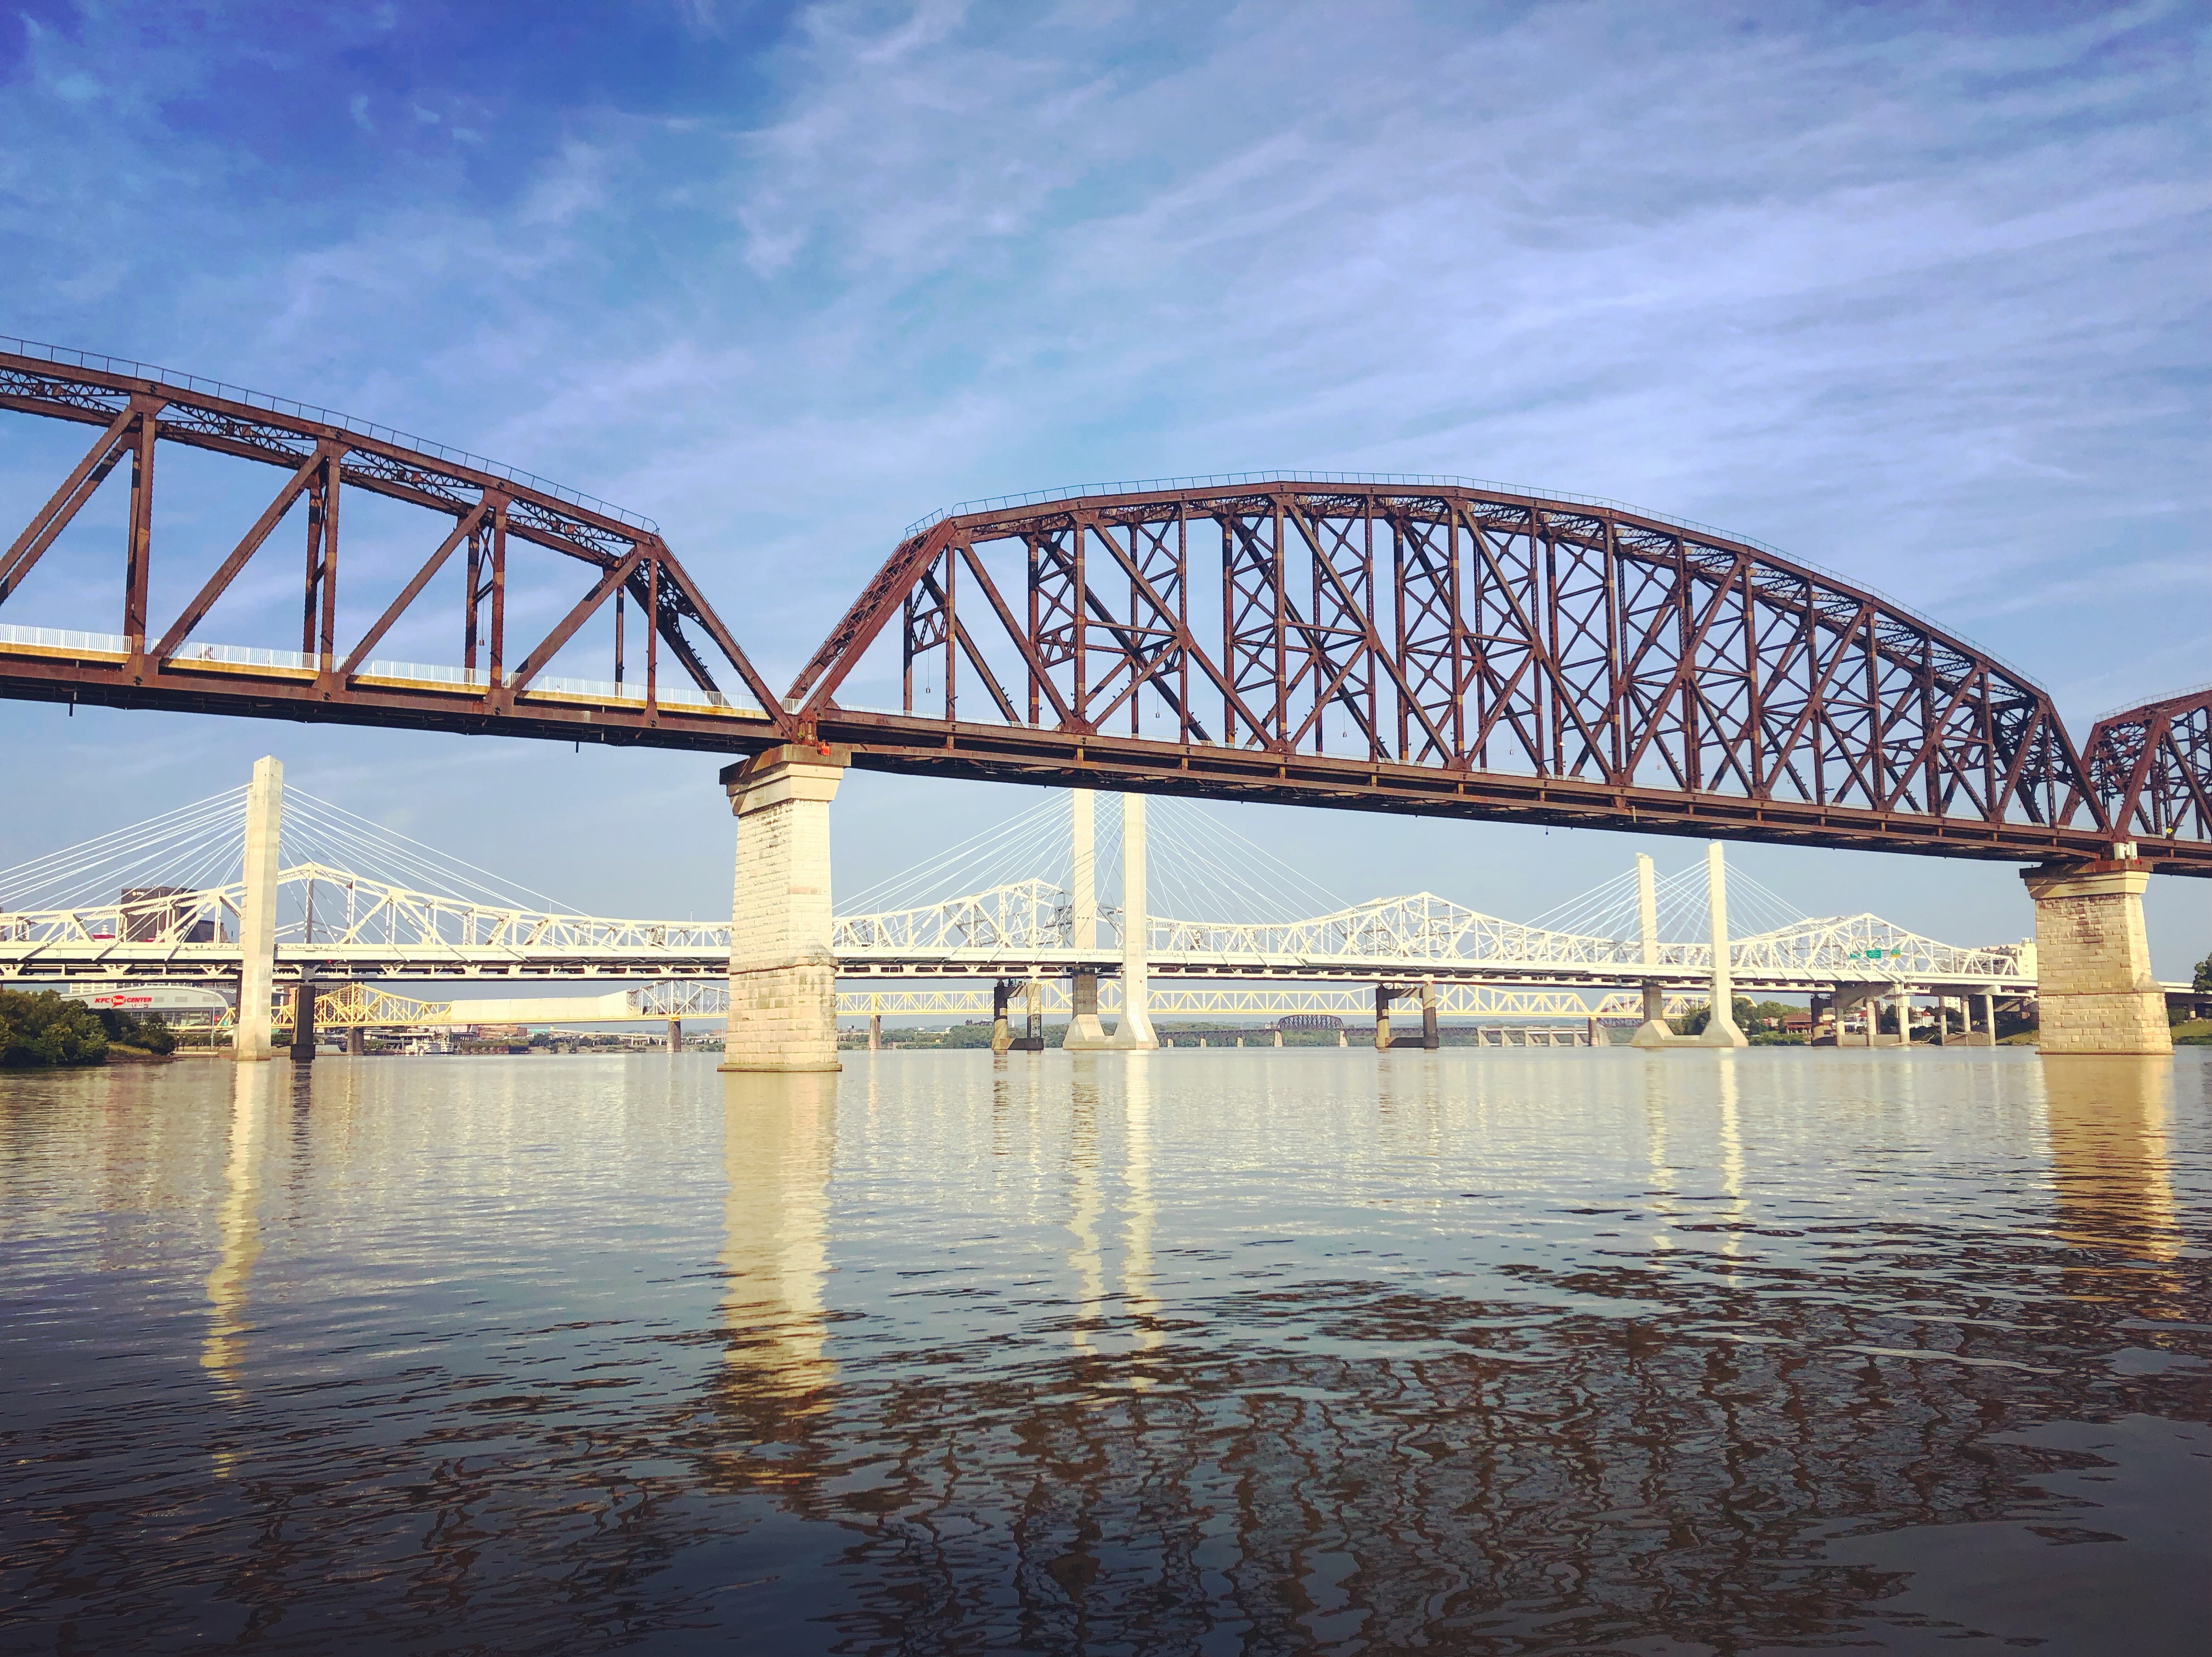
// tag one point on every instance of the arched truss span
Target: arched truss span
(1445, 648)
(2150, 768)
(498, 680)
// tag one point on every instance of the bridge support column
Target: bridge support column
(1032, 1017)
(257, 915)
(1385, 994)
(1002, 1033)
(783, 974)
(1720, 1029)
(1431, 1039)
(2094, 986)
(1084, 1034)
(1653, 1031)
(676, 1035)
(1135, 1030)
(1989, 1019)
(357, 1041)
(875, 1031)
(303, 1022)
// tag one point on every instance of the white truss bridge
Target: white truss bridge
(1025, 929)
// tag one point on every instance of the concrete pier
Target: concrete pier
(257, 918)
(783, 975)
(1084, 1033)
(303, 1022)
(2095, 992)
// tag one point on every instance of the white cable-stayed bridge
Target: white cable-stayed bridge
(1230, 929)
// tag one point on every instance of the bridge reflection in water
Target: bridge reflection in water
(1125, 1352)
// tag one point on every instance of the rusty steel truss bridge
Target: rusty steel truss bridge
(1432, 646)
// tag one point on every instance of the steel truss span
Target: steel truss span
(671, 697)
(2151, 768)
(1448, 650)
(370, 929)
(1427, 647)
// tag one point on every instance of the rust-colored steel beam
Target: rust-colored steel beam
(321, 456)
(2151, 768)
(922, 745)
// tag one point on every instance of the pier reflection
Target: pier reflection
(778, 1143)
(2110, 1168)
(238, 1226)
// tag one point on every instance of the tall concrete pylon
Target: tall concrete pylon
(257, 912)
(1135, 1030)
(1653, 1032)
(1720, 1029)
(1084, 1033)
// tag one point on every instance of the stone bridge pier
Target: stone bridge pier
(783, 972)
(2095, 993)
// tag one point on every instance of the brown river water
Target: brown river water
(1235, 1352)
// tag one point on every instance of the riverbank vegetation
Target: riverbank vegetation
(44, 1031)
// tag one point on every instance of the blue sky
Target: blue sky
(1916, 293)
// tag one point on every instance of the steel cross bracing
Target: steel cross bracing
(478, 514)
(2152, 767)
(1450, 649)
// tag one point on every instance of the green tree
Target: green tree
(147, 1033)
(42, 1030)
(1693, 1022)
(2204, 976)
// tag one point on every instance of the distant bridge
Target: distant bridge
(339, 923)
(359, 1006)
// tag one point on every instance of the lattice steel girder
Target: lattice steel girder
(2151, 768)
(921, 746)
(1568, 661)
(320, 459)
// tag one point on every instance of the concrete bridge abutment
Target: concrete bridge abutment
(2095, 993)
(783, 972)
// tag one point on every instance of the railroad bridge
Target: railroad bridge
(1433, 646)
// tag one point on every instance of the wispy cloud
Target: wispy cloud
(1915, 292)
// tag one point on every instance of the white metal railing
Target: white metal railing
(468, 679)
(287, 661)
(632, 692)
(63, 639)
(68, 640)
